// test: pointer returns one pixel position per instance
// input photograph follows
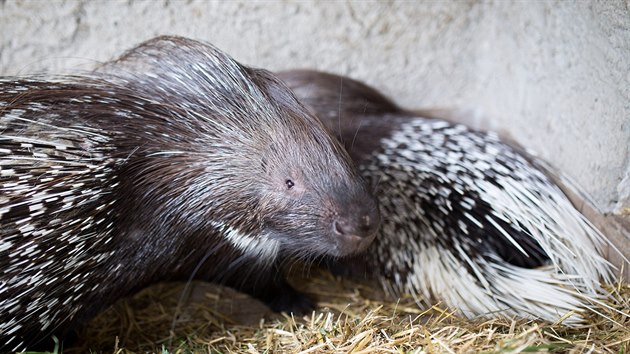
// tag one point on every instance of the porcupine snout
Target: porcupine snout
(356, 223)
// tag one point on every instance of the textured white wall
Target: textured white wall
(555, 76)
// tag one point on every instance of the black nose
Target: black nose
(361, 226)
(354, 232)
(354, 223)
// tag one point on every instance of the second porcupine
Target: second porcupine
(467, 219)
(183, 163)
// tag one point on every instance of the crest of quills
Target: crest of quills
(466, 219)
(172, 162)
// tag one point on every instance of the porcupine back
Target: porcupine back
(195, 166)
(467, 219)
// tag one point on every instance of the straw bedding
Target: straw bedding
(350, 318)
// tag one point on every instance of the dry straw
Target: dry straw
(351, 318)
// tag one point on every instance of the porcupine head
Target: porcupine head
(256, 167)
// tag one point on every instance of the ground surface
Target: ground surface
(350, 317)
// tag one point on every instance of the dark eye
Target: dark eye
(289, 183)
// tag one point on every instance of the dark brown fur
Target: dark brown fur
(173, 162)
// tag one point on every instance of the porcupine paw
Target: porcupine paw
(280, 296)
(291, 301)
(350, 267)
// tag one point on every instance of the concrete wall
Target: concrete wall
(555, 76)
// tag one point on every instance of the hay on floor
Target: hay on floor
(351, 318)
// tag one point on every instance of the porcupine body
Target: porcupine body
(184, 164)
(466, 219)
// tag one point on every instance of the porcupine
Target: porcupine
(190, 164)
(467, 219)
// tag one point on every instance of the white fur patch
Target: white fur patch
(261, 246)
